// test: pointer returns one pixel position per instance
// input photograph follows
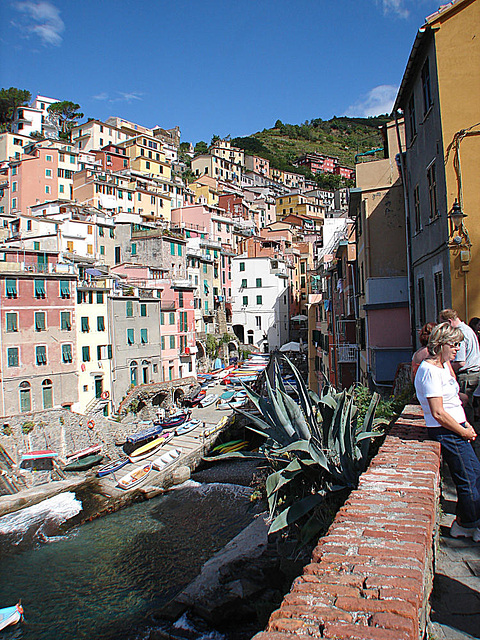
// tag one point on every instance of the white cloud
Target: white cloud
(121, 96)
(43, 20)
(396, 7)
(377, 101)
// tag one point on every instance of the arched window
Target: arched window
(47, 394)
(133, 372)
(25, 397)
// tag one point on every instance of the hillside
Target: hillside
(342, 137)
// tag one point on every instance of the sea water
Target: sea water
(103, 579)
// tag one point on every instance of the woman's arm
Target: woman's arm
(446, 420)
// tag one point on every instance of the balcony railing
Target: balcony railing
(347, 352)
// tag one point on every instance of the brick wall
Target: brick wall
(370, 577)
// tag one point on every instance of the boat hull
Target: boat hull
(135, 477)
(10, 615)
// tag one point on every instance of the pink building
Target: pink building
(112, 158)
(33, 179)
(258, 165)
(178, 338)
(37, 319)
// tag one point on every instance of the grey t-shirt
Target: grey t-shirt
(469, 351)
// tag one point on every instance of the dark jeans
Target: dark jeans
(465, 471)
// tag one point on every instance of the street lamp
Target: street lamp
(457, 216)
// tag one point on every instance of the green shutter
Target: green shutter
(40, 288)
(129, 308)
(41, 355)
(171, 319)
(11, 288)
(12, 322)
(12, 355)
(109, 351)
(259, 299)
(245, 301)
(130, 336)
(66, 324)
(143, 310)
(143, 336)
(258, 282)
(99, 297)
(64, 288)
(40, 321)
(86, 354)
(66, 352)
(85, 325)
(172, 342)
(100, 323)
(179, 249)
(172, 248)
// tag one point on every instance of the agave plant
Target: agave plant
(316, 439)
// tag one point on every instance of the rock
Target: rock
(181, 474)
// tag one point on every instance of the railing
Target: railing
(347, 352)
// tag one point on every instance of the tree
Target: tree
(215, 139)
(10, 99)
(68, 114)
(200, 147)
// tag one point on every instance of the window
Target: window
(180, 299)
(11, 288)
(65, 322)
(143, 310)
(242, 266)
(25, 397)
(134, 249)
(40, 321)
(67, 353)
(421, 301)
(61, 188)
(47, 394)
(36, 246)
(64, 289)
(143, 336)
(90, 249)
(12, 322)
(259, 299)
(130, 336)
(179, 249)
(85, 325)
(41, 355)
(112, 232)
(258, 282)
(39, 288)
(100, 323)
(12, 356)
(412, 120)
(171, 318)
(172, 342)
(99, 297)
(102, 250)
(427, 92)
(416, 209)
(47, 189)
(85, 354)
(129, 308)
(48, 159)
(14, 186)
(438, 285)
(245, 301)
(162, 318)
(163, 343)
(172, 248)
(258, 322)
(432, 191)
(48, 173)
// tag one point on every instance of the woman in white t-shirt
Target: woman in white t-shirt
(437, 391)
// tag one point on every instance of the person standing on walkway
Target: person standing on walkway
(437, 391)
(467, 361)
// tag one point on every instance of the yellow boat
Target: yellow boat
(150, 448)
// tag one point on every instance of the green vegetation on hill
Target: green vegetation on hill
(342, 137)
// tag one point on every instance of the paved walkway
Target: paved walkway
(455, 600)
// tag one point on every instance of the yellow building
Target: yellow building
(298, 204)
(440, 99)
(146, 155)
(205, 189)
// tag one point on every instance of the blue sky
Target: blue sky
(224, 67)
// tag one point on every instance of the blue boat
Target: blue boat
(112, 466)
(151, 432)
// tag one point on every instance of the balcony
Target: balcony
(347, 352)
(168, 305)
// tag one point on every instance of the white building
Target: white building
(35, 118)
(260, 306)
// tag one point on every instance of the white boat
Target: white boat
(135, 477)
(166, 458)
(10, 615)
(187, 427)
(232, 404)
(209, 399)
(151, 447)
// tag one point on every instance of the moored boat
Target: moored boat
(135, 477)
(151, 447)
(209, 399)
(83, 453)
(38, 460)
(10, 615)
(84, 463)
(187, 427)
(166, 458)
(112, 466)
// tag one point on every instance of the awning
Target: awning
(94, 272)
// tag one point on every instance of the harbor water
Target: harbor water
(105, 578)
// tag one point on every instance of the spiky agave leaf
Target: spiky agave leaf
(295, 511)
(304, 398)
(266, 429)
(296, 416)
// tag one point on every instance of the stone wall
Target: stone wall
(370, 577)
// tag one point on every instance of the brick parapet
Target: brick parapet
(371, 575)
